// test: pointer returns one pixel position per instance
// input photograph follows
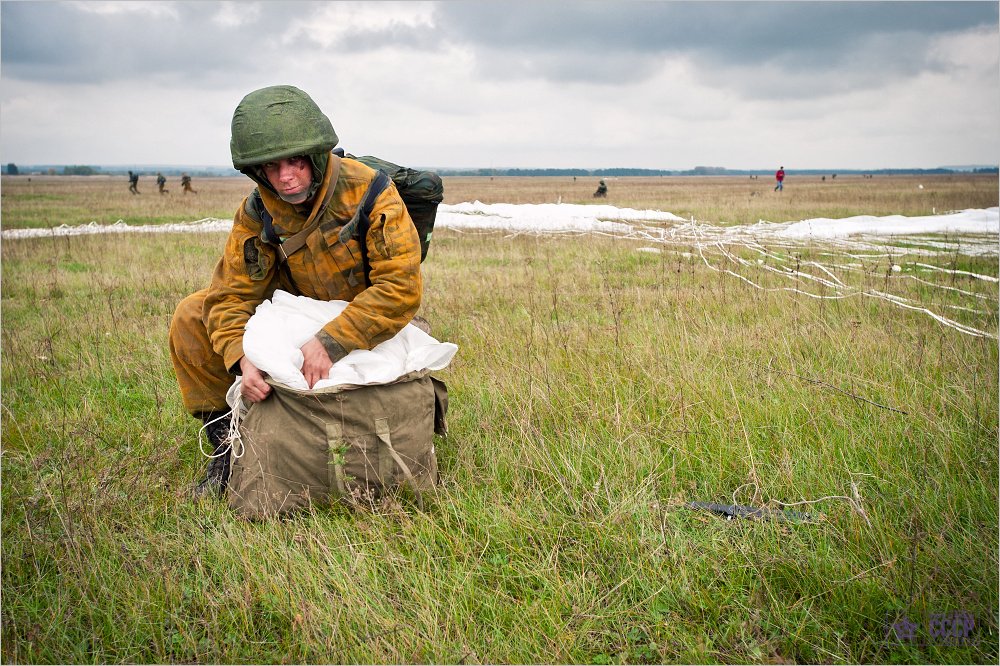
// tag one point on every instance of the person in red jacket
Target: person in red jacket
(779, 176)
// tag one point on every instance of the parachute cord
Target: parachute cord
(234, 431)
(233, 441)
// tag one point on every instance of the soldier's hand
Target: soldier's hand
(253, 388)
(316, 362)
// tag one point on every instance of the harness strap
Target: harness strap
(376, 188)
(358, 226)
(297, 241)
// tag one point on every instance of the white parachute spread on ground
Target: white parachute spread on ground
(980, 225)
(852, 247)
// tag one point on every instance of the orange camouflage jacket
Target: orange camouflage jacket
(326, 268)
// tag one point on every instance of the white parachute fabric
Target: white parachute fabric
(546, 218)
(280, 326)
(972, 221)
(203, 226)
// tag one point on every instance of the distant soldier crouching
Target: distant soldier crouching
(602, 190)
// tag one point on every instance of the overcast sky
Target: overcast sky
(668, 85)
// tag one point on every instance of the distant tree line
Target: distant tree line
(12, 169)
(701, 171)
(586, 173)
(79, 170)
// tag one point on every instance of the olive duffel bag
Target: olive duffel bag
(302, 448)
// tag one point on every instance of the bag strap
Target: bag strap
(384, 435)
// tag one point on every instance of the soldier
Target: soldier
(186, 184)
(283, 142)
(161, 182)
(133, 183)
(602, 190)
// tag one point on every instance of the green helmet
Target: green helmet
(277, 122)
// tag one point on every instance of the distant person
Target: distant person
(779, 176)
(186, 184)
(133, 183)
(602, 190)
(161, 183)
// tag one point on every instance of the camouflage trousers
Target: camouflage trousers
(201, 373)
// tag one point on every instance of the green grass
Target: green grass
(596, 391)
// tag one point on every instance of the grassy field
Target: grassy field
(46, 201)
(597, 390)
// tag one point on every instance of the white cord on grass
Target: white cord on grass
(854, 501)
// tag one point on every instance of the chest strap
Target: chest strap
(357, 227)
(297, 241)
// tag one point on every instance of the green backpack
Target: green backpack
(421, 192)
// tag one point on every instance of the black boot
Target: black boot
(217, 475)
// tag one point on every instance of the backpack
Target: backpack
(421, 192)
(350, 444)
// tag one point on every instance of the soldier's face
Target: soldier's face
(290, 177)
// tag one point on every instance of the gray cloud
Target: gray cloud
(624, 42)
(69, 43)
(470, 83)
(733, 31)
(561, 42)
